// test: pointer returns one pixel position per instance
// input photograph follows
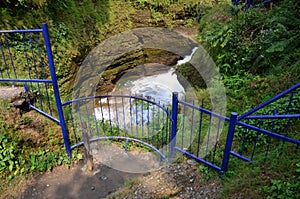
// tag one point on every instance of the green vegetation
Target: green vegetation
(28, 143)
(257, 53)
(170, 13)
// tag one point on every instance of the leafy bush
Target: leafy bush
(283, 188)
(11, 157)
(261, 43)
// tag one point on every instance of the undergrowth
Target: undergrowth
(29, 143)
(257, 53)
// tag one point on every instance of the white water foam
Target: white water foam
(158, 87)
(187, 58)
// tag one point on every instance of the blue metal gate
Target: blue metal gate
(184, 128)
(26, 60)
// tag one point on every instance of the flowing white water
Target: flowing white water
(187, 58)
(158, 88)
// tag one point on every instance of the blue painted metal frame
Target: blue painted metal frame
(245, 115)
(224, 165)
(105, 137)
(248, 3)
(53, 81)
(174, 123)
(233, 121)
(248, 116)
(229, 140)
(56, 89)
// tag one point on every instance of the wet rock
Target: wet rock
(119, 54)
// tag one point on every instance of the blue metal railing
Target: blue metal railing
(184, 127)
(197, 132)
(120, 117)
(270, 124)
(25, 53)
(249, 3)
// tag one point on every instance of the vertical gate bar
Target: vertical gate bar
(73, 124)
(124, 118)
(35, 70)
(102, 116)
(183, 126)
(95, 119)
(217, 139)
(3, 55)
(148, 122)
(43, 75)
(10, 56)
(142, 112)
(174, 122)
(109, 116)
(192, 126)
(269, 138)
(200, 129)
(153, 125)
(130, 113)
(229, 139)
(289, 119)
(136, 118)
(56, 90)
(208, 136)
(27, 61)
(117, 117)
(163, 128)
(256, 140)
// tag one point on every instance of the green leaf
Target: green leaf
(79, 156)
(278, 46)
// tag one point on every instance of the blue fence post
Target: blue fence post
(229, 139)
(56, 90)
(235, 2)
(248, 4)
(174, 123)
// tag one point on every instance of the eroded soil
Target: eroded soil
(177, 181)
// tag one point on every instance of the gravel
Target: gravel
(176, 181)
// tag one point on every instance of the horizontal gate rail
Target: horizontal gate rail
(264, 104)
(269, 133)
(260, 132)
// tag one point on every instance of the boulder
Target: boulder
(14, 95)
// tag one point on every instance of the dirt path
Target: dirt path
(175, 181)
(75, 183)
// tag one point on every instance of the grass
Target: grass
(251, 180)
(28, 143)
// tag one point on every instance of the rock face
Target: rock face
(14, 95)
(120, 53)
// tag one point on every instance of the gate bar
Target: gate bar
(56, 90)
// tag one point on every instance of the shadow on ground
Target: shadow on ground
(62, 183)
